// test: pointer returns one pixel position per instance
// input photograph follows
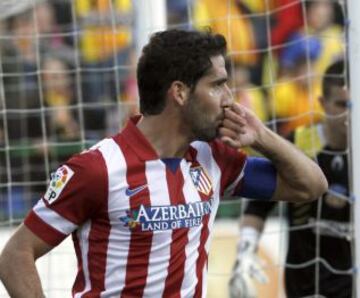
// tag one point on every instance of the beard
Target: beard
(203, 126)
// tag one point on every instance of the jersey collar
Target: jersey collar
(137, 141)
(141, 146)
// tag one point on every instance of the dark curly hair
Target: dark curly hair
(174, 55)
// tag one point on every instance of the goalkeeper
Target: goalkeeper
(320, 232)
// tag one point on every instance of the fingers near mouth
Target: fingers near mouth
(238, 109)
(234, 126)
(233, 115)
(226, 132)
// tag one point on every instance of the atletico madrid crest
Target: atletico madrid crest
(201, 180)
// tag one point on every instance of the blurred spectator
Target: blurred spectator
(294, 98)
(302, 62)
(319, 22)
(245, 32)
(23, 117)
(62, 115)
(19, 59)
(35, 31)
(65, 19)
(320, 16)
(285, 17)
(107, 56)
(106, 28)
(299, 47)
(49, 37)
(28, 36)
(58, 95)
(22, 33)
(46, 25)
(247, 93)
(177, 13)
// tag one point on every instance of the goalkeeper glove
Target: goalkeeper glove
(248, 267)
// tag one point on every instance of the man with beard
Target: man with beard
(141, 205)
(319, 258)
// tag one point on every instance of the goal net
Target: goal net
(67, 79)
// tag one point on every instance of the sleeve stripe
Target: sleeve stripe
(53, 219)
(47, 233)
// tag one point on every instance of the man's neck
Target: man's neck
(166, 134)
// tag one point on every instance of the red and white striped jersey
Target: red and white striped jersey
(140, 227)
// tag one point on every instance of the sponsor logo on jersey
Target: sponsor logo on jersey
(160, 218)
(58, 181)
(201, 180)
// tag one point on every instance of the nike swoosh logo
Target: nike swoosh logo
(131, 192)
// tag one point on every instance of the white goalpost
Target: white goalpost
(354, 67)
(150, 16)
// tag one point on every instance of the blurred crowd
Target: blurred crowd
(68, 74)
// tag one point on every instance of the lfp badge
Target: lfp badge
(201, 180)
(57, 183)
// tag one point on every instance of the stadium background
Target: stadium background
(67, 79)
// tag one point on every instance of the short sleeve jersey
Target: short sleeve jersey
(140, 227)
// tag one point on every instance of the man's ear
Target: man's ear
(179, 92)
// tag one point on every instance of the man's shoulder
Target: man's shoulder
(95, 156)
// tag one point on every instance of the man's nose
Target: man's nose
(228, 97)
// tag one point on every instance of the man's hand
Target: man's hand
(299, 179)
(241, 127)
